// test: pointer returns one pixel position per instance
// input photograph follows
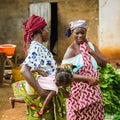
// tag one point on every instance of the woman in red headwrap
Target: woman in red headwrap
(38, 57)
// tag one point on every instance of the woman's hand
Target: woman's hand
(85, 79)
(89, 49)
(93, 81)
(41, 72)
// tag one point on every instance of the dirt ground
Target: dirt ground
(6, 112)
(19, 112)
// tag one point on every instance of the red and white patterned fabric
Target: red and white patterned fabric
(85, 102)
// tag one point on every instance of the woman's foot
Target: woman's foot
(12, 102)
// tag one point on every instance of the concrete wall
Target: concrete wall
(69, 11)
(109, 28)
(14, 12)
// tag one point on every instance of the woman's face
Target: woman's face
(79, 35)
(45, 34)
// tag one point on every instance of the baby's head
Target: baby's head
(63, 77)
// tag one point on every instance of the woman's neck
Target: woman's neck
(78, 44)
(38, 38)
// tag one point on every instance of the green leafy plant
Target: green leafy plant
(110, 86)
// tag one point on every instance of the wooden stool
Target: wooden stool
(3, 57)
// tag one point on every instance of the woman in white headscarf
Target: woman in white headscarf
(85, 102)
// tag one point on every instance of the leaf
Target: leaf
(110, 86)
(103, 85)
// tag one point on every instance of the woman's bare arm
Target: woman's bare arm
(98, 56)
(69, 53)
(86, 79)
(27, 74)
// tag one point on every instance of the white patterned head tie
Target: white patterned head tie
(77, 24)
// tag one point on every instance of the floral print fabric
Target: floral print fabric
(40, 58)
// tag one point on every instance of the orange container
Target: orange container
(9, 49)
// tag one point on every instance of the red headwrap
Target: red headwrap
(33, 24)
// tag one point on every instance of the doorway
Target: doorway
(49, 12)
(54, 29)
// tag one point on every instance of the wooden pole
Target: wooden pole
(3, 57)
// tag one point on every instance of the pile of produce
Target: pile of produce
(110, 86)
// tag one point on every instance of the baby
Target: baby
(62, 78)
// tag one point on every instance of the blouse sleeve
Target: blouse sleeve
(33, 58)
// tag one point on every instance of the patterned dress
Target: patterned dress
(85, 102)
(39, 57)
